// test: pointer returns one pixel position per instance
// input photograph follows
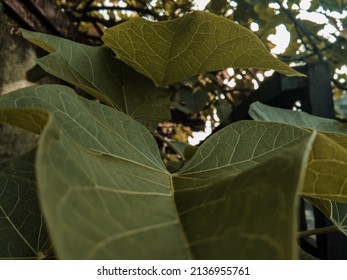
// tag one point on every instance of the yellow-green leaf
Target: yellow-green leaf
(198, 42)
(237, 196)
(326, 175)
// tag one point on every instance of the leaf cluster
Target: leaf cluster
(309, 41)
(98, 176)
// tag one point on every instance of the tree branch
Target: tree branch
(303, 29)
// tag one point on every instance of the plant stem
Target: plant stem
(168, 142)
(317, 231)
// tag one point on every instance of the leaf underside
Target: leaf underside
(106, 194)
(325, 183)
(23, 232)
(98, 72)
(199, 42)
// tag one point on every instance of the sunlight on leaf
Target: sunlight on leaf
(325, 182)
(326, 175)
(327, 167)
(198, 42)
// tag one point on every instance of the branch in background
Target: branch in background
(303, 29)
(302, 57)
(128, 8)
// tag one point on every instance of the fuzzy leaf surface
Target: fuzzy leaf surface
(98, 72)
(198, 42)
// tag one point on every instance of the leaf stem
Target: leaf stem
(168, 142)
(317, 231)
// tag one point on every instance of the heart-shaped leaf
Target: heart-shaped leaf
(171, 51)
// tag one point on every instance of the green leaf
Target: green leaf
(104, 190)
(235, 197)
(224, 110)
(262, 112)
(103, 206)
(98, 72)
(325, 182)
(327, 170)
(22, 229)
(194, 101)
(96, 130)
(106, 194)
(198, 42)
(335, 211)
(327, 167)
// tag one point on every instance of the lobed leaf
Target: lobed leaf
(98, 72)
(171, 51)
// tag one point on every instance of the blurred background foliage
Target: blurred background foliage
(297, 31)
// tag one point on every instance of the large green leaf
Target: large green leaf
(237, 196)
(100, 206)
(171, 51)
(98, 72)
(22, 229)
(103, 187)
(106, 194)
